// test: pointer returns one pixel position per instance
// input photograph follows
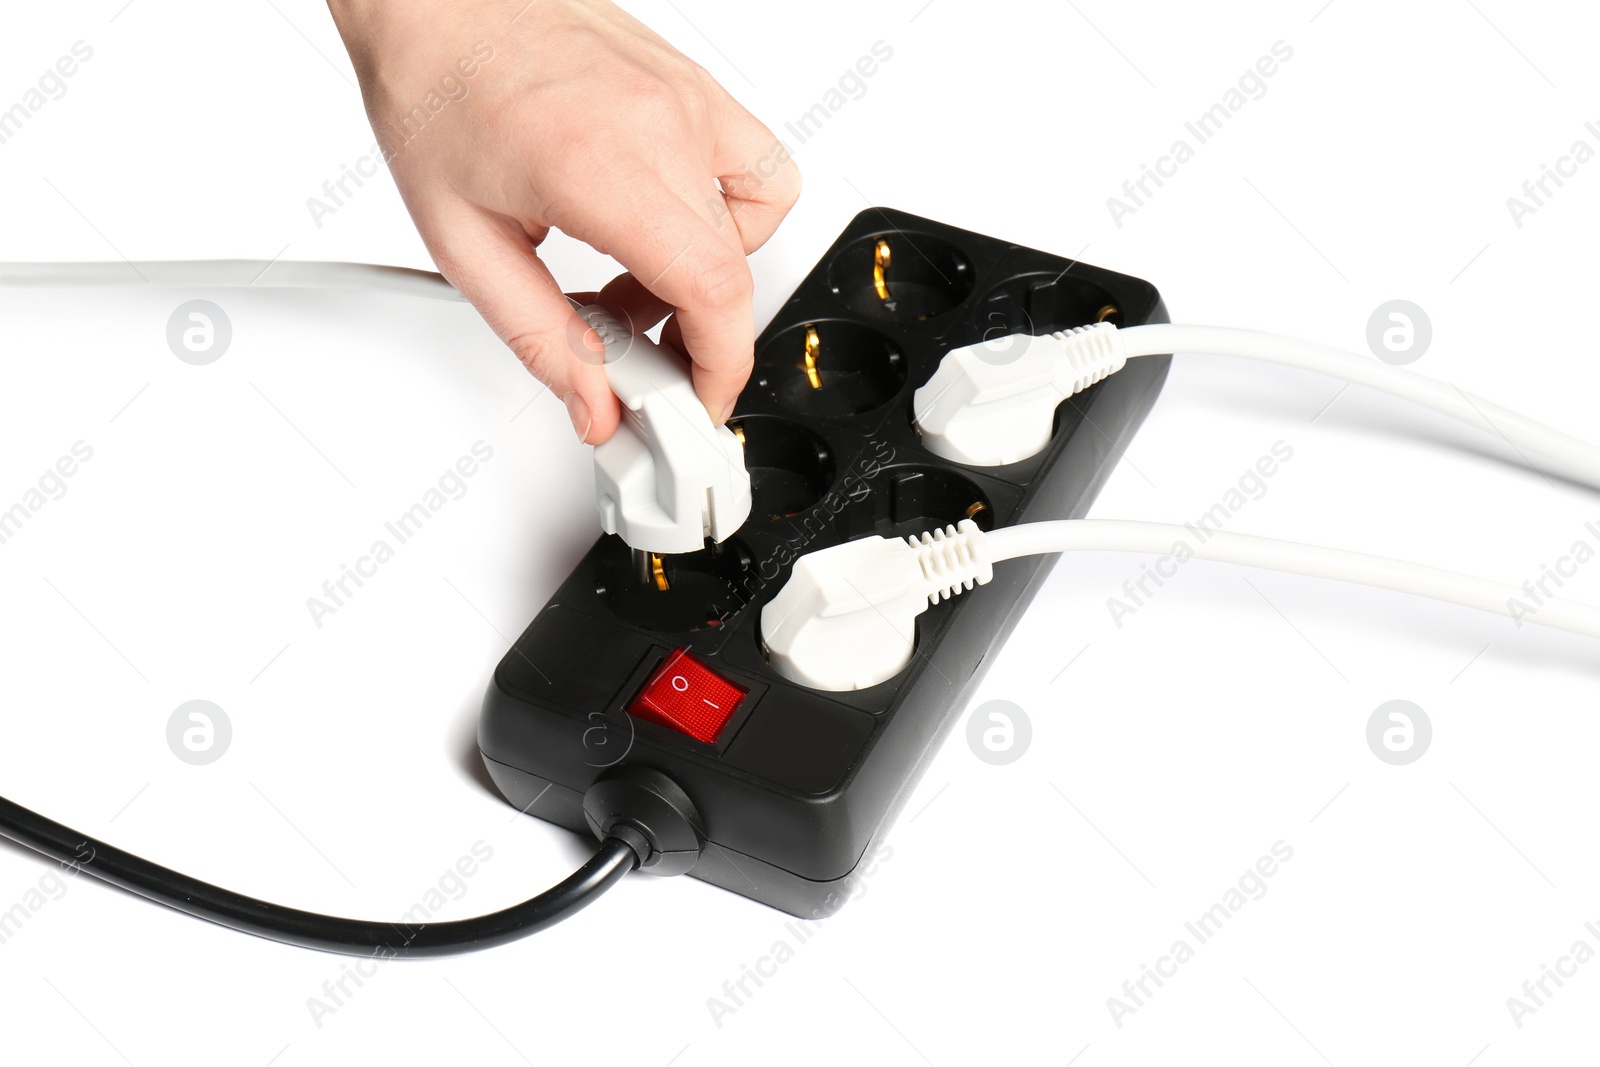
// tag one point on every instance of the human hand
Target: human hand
(503, 119)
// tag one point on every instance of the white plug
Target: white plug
(847, 617)
(669, 477)
(994, 403)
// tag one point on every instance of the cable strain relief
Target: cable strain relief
(634, 838)
(1089, 354)
(952, 560)
(647, 810)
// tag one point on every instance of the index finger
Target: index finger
(681, 258)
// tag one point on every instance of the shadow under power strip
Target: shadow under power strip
(661, 666)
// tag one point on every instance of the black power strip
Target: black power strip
(662, 673)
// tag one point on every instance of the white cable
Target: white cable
(232, 274)
(846, 619)
(1567, 456)
(995, 402)
(1096, 535)
(665, 481)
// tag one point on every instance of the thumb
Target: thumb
(496, 266)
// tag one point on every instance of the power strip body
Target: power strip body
(797, 788)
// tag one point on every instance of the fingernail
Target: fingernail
(578, 412)
(727, 412)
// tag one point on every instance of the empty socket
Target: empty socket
(790, 467)
(1043, 303)
(906, 500)
(904, 277)
(831, 368)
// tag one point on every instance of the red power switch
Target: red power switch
(688, 696)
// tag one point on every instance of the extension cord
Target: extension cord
(824, 716)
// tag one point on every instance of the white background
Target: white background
(1167, 755)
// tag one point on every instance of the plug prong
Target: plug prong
(880, 268)
(649, 570)
(813, 347)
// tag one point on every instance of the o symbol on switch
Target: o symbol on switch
(680, 683)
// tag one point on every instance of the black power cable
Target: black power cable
(327, 933)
